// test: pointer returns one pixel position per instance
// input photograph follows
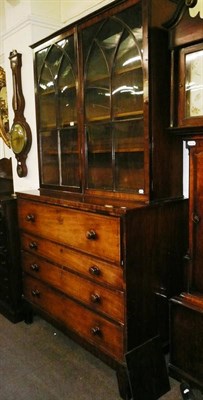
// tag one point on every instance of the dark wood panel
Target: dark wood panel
(10, 266)
(186, 338)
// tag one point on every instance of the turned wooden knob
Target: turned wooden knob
(95, 298)
(34, 267)
(94, 270)
(96, 331)
(33, 245)
(35, 293)
(30, 217)
(91, 235)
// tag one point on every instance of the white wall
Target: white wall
(71, 10)
(24, 22)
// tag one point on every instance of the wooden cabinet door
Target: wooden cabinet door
(113, 94)
(196, 217)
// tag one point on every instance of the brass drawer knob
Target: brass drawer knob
(30, 218)
(91, 235)
(94, 270)
(33, 245)
(96, 331)
(35, 293)
(34, 267)
(95, 298)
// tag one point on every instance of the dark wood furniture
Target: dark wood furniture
(103, 104)
(103, 274)
(186, 317)
(10, 266)
(104, 237)
(186, 310)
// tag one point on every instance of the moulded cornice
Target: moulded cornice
(32, 20)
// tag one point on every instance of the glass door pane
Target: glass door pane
(49, 161)
(99, 156)
(129, 155)
(70, 157)
(113, 94)
(47, 99)
(67, 86)
(97, 89)
(127, 79)
(58, 121)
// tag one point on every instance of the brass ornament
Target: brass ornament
(4, 122)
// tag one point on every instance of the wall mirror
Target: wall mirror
(4, 121)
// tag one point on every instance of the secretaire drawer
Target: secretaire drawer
(93, 233)
(92, 267)
(99, 331)
(100, 298)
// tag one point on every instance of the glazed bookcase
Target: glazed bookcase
(104, 236)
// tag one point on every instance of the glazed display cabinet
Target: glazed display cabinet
(103, 105)
(104, 237)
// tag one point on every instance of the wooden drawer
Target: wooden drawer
(95, 234)
(97, 330)
(91, 267)
(100, 298)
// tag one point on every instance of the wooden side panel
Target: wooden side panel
(155, 267)
(166, 156)
(186, 339)
(196, 217)
(10, 268)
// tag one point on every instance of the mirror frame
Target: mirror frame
(4, 130)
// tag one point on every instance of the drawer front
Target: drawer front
(97, 330)
(95, 234)
(100, 298)
(91, 267)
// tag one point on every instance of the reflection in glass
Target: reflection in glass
(40, 57)
(194, 84)
(97, 92)
(67, 85)
(47, 98)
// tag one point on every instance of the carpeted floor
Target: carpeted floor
(38, 362)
